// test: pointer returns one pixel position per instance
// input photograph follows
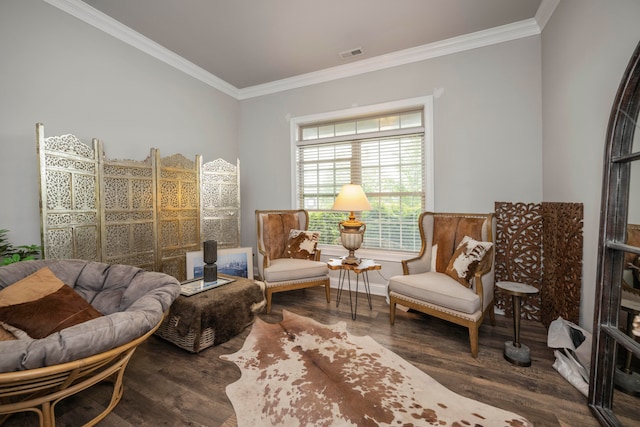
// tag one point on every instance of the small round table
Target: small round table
(515, 352)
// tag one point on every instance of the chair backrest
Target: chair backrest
(447, 230)
(273, 228)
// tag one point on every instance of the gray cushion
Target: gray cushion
(133, 302)
(436, 288)
(285, 269)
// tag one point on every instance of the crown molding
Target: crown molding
(545, 10)
(470, 41)
(103, 22)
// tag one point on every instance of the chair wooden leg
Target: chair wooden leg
(492, 316)
(268, 294)
(473, 338)
(327, 291)
(392, 311)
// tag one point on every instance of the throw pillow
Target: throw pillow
(41, 304)
(465, 260)
(302, 244)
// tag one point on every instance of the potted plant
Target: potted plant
(10, 254)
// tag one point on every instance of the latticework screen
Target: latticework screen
(541, 245)
(146, 213)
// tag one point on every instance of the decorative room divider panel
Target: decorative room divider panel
(146, 213)
(540, 244)
(129, 212)
(220, 203)
(69, 197)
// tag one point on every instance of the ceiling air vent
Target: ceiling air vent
(351, 52)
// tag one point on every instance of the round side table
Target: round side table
(515, 352)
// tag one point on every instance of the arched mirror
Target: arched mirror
(614, 386)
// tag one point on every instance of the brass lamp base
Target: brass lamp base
(351, 236)
(351, 259)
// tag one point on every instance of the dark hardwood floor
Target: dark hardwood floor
(167, 386)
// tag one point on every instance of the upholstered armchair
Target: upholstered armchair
(287, 255)
(452, 278)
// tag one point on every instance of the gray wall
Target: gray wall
(487, 129)
(519, 121)
(64, 73)
(586, 46)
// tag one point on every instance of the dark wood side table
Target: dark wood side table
(363, 269)
(515, 352)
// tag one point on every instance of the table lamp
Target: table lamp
(351, 198)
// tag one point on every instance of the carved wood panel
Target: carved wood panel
(220, 203)
(129, 212)
(146, 213)
(178, 227)
(519, 253)
(562, 265)
(69, 197)
(540, 245)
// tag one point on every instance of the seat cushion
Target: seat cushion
(436, 288)
(284, 269)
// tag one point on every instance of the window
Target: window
(387, 150)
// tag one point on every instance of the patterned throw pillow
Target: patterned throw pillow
(465, 260)
(302, 244)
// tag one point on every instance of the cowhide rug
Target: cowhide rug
(302, 373)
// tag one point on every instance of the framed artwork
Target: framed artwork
(234, 262)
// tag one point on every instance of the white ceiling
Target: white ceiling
(253, 43)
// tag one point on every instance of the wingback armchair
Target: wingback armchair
(287, 256)
(452, 278)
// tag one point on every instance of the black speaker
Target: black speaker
(210, 273)
(210, 251)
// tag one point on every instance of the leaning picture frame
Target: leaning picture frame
(232, 261)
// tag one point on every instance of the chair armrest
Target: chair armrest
(484, 267)
(316, 255)
(414, 265)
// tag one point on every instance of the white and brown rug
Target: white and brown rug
(302, 373)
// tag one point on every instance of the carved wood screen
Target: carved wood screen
(220, 202)
(69, 197)
(129, 212)
(541, 245)
(145, 213)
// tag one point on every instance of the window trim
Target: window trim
(423, 102)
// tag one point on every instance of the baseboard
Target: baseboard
(377, 288)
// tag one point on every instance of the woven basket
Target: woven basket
(168, 331)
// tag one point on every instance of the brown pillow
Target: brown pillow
(465, 260)
(302, 244)
(41, 304)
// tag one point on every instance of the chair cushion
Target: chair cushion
(285, 269)
(302, 244)
(465, 260)
(436, 288)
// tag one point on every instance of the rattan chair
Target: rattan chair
(279, 272)
(426, 287)
(36, 374)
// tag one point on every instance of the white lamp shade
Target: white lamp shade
(351, 198)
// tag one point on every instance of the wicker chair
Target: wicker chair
(35, 374)
(427, 288)
(280, 272)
